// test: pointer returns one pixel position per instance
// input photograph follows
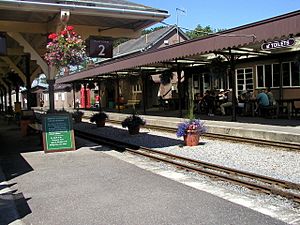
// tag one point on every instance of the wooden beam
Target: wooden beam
(13, 66)
(23, 27)
(3, 83)
(29, 49)
(86, 31)
(15, 51)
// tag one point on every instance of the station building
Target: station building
(251, 57)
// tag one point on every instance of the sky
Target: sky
(221, 14)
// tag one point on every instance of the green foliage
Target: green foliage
(77, 114)
(218, 67)
(133, 121)
(148, 31)
(200, 31)
(166, 77)
(98, 116)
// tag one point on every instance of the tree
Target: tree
(200, 31)
(148, 31)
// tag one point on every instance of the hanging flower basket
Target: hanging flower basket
(65, 49)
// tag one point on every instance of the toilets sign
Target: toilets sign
(278, 44)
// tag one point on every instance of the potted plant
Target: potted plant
(99, 118)
(166, 77)
(191, 130)
(77, 116)
(133, 122)
(65, 48)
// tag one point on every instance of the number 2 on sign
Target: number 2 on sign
(101, 50)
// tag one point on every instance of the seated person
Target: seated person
(221, 96)
(270, 96)
(262, 100)
(207, 102)
(243, 102)
(227, 104)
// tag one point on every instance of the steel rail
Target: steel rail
(207, 169)
(285, 145)
(267, 189)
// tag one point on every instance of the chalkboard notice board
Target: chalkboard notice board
(58, 134)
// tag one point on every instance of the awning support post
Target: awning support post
(179, 89)
(232, 74)
(28, 82)
(144, 92)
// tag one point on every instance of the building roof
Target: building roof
(250, 36)
(102, 13)
(145, 42)
(27, 23)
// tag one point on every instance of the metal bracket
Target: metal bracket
(64, 16)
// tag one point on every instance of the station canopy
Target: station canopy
(25, 26)
(245, 41)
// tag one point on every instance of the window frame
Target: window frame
(272, 75)
(137, 88)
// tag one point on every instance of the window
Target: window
(269, 75)
(137, 88)
(286, 74)
(295, 73)
(244, 79)
(260, 76)
(276, 75)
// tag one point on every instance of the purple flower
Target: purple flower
(194, 125)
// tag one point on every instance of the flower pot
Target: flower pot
(100, 123)
(134, 130)
(191, 138)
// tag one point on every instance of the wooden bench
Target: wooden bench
(271, 111)
(133, 103)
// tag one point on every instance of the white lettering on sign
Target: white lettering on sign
(278, 44)
(102, 50)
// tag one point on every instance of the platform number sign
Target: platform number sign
(100, 48)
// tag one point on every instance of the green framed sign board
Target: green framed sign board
(58, 133)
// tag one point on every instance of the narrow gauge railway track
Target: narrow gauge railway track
(286, 145)
(252, 181)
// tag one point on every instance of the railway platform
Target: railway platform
(276, 130)
(93, 186)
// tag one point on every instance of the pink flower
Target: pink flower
(64, 32)
(52, 36)
(66, 48)
(70, 28)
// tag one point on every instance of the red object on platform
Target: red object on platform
(83, 103)
(191, 139)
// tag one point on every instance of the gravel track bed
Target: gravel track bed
(274, 162)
